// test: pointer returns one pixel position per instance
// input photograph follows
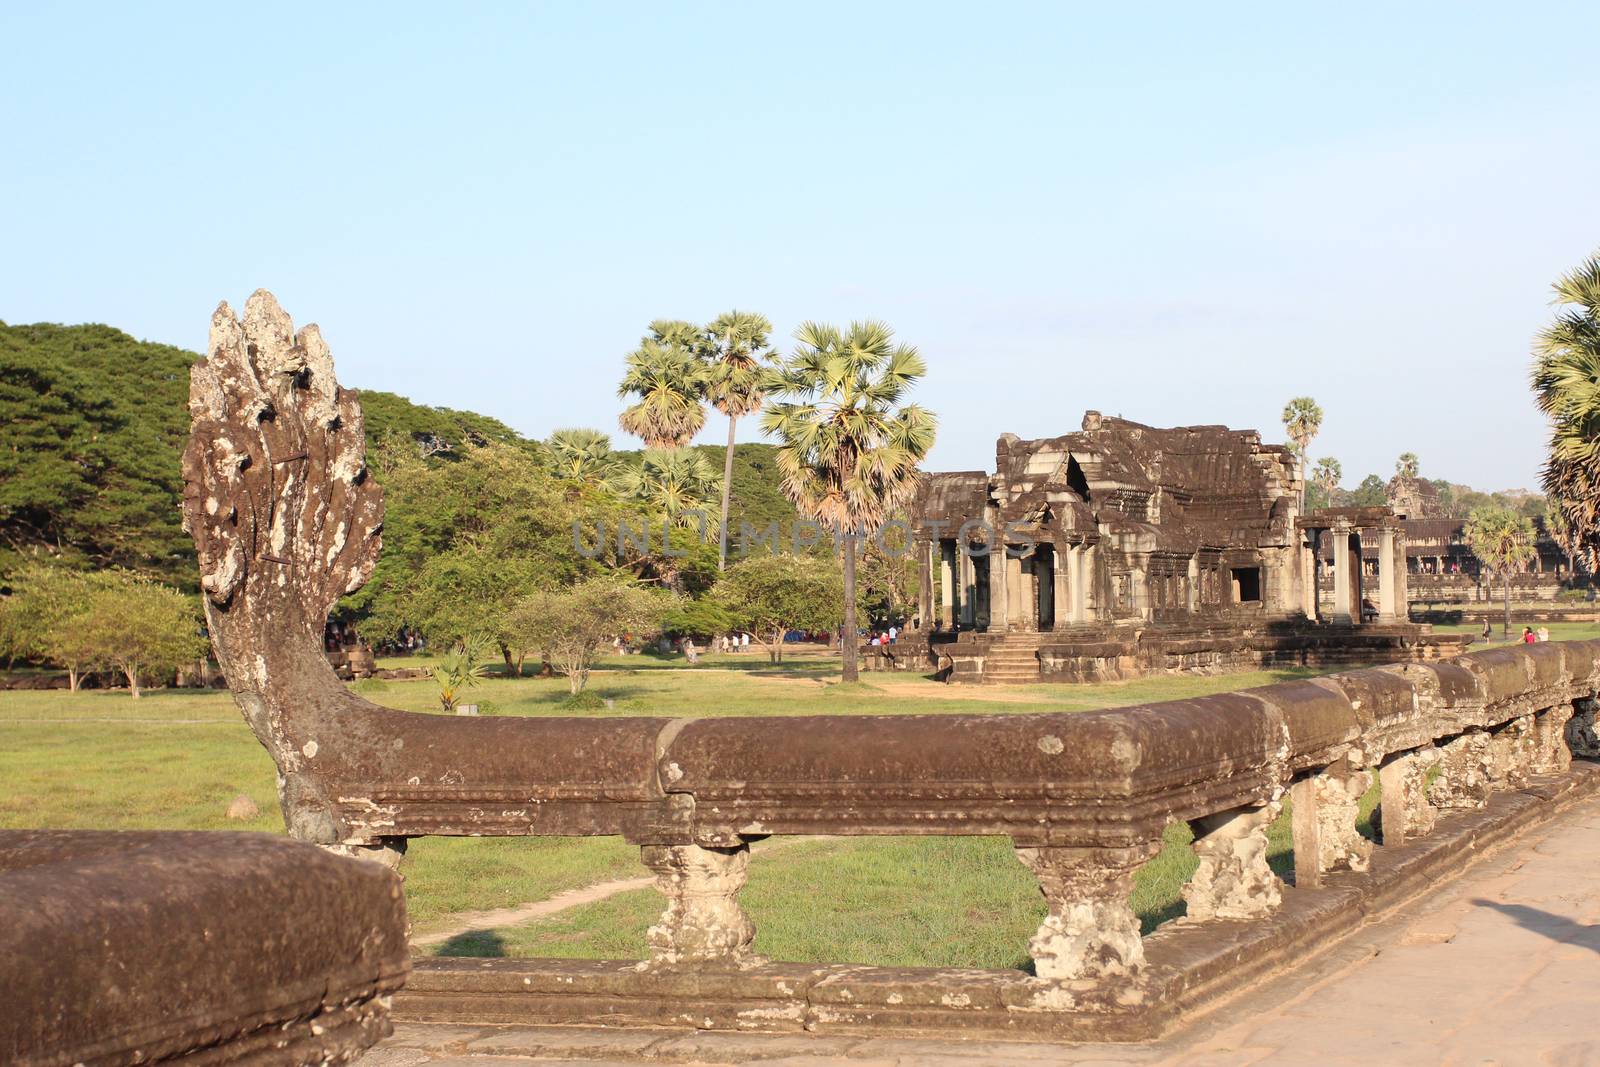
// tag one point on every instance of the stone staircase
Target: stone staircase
(1014, 658)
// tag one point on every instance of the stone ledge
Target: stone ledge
(1192, 967)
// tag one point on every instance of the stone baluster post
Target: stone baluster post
(1091, 930)
(1404, 809)
(703, 922)
(1324, 822)
(1513, 753)
(1551, 754)
(1464, 781)
(1233, 880)
(1582, 738)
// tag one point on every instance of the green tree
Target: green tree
(849, 445)
(567, 626)
(465, 539)
(1407, 466)
(1566, 386)
(582, 456)
(668, 374)
(42, 620)
(1503, 542)
(773, 594)
(1302, 419)
(740, 355)
(1326, 477)
(141, 629)
(92, 423)
(1371, 493)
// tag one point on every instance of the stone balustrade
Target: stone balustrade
(1084, 796)
(285, 522)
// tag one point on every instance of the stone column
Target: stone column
(925, 585)
(1404, 811)
(1386, 581)
(1194, 586)
(999, 589)
(1341, 575)
(1091, 930)
(946, 588)
(703, 922)
(1324, 823)
(1308, 576)
(969, 599)
(1063, 589)
(1028, 601)
(1233, 880)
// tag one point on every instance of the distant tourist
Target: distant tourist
(690, 653)
(894, 632)
(1544, 633)
(1488, 631)
(1528, 636)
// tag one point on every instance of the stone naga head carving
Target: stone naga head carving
(285, 521)
(276, 488)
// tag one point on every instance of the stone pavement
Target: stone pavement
(1501, 967)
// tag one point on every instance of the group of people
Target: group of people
(1532, 636)
(885, 637)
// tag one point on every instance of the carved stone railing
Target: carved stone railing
(286, 522)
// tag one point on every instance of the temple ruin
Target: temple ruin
(1125, 549)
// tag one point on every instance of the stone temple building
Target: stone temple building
(1125, 549)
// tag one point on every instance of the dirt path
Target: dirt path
(465, 922)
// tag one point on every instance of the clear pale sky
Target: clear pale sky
(1178, 213)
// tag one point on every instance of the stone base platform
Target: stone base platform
(1098, 654)
(1191, 968)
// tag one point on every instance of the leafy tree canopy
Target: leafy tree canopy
(92, 423)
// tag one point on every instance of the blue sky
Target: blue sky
(1177, 213)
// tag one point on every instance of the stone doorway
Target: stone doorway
(1044, 578)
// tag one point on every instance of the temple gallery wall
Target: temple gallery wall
(1125, 549)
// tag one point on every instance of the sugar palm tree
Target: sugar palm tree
(739, 355)
(849, 446)
(667, 373)
(1502, 540)
(673, 484)
(1327, 476)
(1407, 466)
(1566, 385)
(1302, 418)
(579, 455)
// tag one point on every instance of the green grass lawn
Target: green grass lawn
(174, 759)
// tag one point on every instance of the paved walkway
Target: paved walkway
(1500, 968)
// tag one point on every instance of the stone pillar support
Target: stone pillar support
(946, 586)
(1581, 736)
(1064, 587)
(1324, 823)
(1404, 809)
(969, 599)
(925, 585)
(1386, 577)
(1513, 753)
(1550, 752)
(1464, 781)
(1342, 577)
(999, 588)
(1233, 880)
(1091, 930)
(703, 922)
